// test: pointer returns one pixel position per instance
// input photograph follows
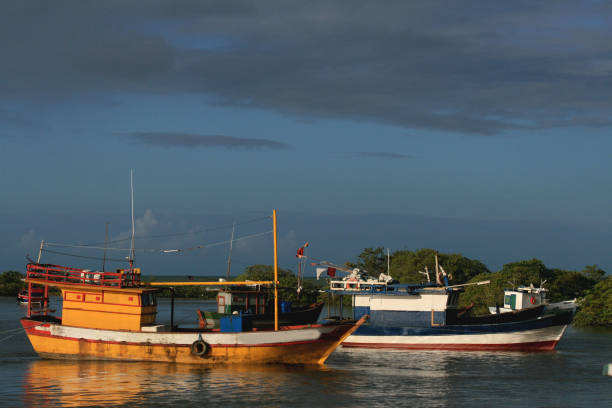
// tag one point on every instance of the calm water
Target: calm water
(569, 377)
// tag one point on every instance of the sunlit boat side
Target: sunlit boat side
(112, 316)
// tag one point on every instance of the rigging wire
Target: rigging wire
(83, 256)
(196, 232)
(166, 251)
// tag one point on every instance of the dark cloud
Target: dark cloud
(461, 66)
(380, 155)
(193, 141)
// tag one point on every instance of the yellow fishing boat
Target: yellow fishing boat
(112, 316)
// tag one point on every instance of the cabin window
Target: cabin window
(148, 299)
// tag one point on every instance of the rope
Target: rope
(83, 256)
(11, 330)
(214, 244)
(199, 231)
(165, 251)
(8, 337)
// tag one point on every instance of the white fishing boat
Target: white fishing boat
(427, 316)
(529, 297)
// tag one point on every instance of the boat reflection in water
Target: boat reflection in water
(111, 383)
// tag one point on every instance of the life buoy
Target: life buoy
(533, 300)
(199, 348)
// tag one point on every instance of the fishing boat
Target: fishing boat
(35, 295)
(254, 304)
(112, 316)
(427, 317)
(530, 297)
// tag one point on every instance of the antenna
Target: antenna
(229, 258)
(388, 262)
(132, 194)
(438, 281)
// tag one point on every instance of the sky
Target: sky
(472, 127)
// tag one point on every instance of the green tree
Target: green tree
(561, 284)
(596, 306)
(568, 285)
(372, 260)
(594, 272)
(10, 283)
(406, 265)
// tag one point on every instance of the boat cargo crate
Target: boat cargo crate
(236, 323)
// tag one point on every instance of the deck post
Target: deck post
(29, 299)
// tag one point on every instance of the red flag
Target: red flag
(300, 253)
(331, 272)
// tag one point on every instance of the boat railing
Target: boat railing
(357, 285)
(74, 276)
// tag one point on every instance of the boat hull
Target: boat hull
(540, 334)
(308, 345)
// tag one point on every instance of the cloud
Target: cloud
(194, 141)
(452, 66)
(380, 155)
(29, 240)
(143, 226)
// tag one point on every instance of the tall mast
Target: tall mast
(133, 229)
(275, 271)
(229, 258)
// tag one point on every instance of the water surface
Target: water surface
(571, 376)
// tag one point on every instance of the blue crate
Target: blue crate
(235, 324)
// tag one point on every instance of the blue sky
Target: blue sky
(485, 118)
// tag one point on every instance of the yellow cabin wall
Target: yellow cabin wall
(106, 309)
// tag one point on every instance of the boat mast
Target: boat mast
(132, 195)
(438, 281)
(42, 244)
(229, 258)
(388, 262)
(275, 271)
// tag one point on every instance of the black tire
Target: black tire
(199, 348)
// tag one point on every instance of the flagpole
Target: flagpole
(275, 271)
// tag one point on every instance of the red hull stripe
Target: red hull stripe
(532, 346)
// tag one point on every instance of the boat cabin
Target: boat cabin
(242, 300)
(99, 300)
(524, 297)
(415, 305)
